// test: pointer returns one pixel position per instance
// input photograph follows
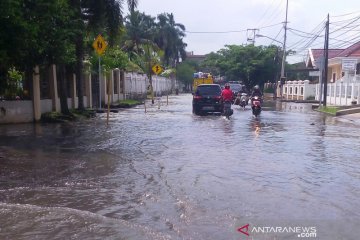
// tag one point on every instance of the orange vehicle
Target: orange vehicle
(202, 78)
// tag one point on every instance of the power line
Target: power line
(271, 17)
(305, 43)
(277, 35)
(340, 28)
(346, 14)
(297, 34)
(262, 17)
(233, 31)
(211, 32)
(349, 42)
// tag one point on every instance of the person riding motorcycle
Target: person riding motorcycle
(227, 97)
(256, 92)
(227, 94)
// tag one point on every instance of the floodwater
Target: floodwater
(168, 174)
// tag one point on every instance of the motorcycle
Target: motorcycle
(256, 105)
(227, 112)
(243, 100)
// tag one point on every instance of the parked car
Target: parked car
(207, 98)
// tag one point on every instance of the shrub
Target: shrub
(269, 90)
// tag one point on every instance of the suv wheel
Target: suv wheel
(195, 110)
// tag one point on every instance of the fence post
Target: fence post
(36, 94)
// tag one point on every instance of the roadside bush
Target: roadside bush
(309, 98)
(269, 90)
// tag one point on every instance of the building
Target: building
(336, 60)
(190, 56)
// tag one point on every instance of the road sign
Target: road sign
(349, 64)
(99, 45)
(157, 69)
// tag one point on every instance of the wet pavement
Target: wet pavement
(168, 174)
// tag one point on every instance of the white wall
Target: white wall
(341, 93)
(299, 90)
(16, 111)
(135, 86)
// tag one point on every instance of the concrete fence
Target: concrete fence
(341, 93)
(118, 84)
(298, 90)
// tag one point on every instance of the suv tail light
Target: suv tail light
(197, 97)
(217, 97)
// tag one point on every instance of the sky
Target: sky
(211, 24)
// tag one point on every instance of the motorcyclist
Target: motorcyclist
(227, 97)
(227, 94)
(256, 92)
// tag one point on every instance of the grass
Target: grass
(329, 110)
(74, 115)
(129, 102)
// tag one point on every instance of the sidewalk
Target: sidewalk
(353, 118)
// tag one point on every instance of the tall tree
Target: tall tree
(95, 17)
(132, 5)
(250, 64)
(139, 31)
(169, 37)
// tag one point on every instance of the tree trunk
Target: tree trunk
(28, 84)
(79, 70)
(62, 92)
(79, 48)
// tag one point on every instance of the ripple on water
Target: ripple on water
(57, 222)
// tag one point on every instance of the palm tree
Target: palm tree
(169, 37)
(132, 4)
(93, 16)
(139, 31)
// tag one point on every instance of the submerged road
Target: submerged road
(168, 174)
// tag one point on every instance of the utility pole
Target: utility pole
(326, 56)
(282, 78)
(252, 35)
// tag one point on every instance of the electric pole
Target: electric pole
(282, 78)
(251, 36)
(326, 56)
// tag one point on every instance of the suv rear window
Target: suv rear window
(208, 90)
(235, 87)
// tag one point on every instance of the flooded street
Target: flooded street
(169, 174)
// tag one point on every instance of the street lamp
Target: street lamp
(282, 76)
(259, 35)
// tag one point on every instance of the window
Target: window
(333, 77)
(208, 90)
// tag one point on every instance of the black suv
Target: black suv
(207, 98)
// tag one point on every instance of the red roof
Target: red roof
(352, 51)
(318, 53)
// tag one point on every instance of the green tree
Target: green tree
(139, 31)
(184, 73)
(250, 64)
(40, 33)
(169, 37)
(92, 17)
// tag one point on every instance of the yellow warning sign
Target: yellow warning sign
(157, 69)
(99, 45)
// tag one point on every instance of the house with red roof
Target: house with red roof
(336, 57)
